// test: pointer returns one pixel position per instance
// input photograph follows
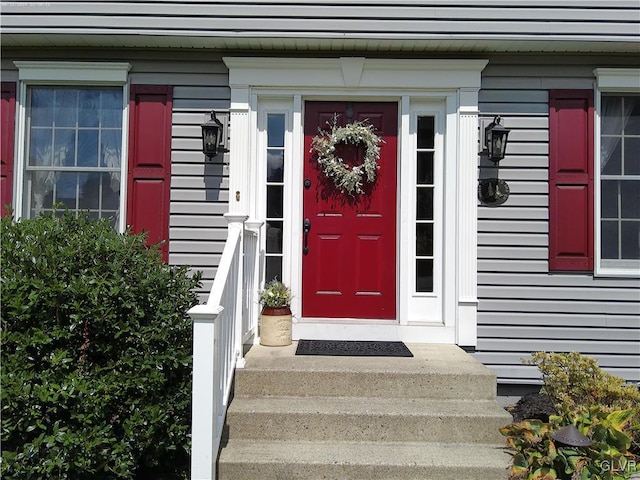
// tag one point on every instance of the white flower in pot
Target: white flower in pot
(275, 319)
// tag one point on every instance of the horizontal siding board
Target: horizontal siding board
(526, 161)
(562, 345)
(516, 213)
(196, 157)
(202, 195)
(544, 293)
(513, 226)
(202, 170)
(201, 208)
(187, 92)
(517, 200)
(521, 373)
(499, 108)
(178, 78)
(203, 235)
(522, 187)
(205, 182)
(197, 247)
(513, 96)
(515, 239)
(585, 280)
(520, 135)
(195, 261)
(190, 143)
(560, 333)
(195, 104)
(525, 266)
(201, 221)
(557, 306)
(512, 174)
(515, 358)
(502, 252)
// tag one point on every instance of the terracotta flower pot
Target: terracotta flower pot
(275, 327)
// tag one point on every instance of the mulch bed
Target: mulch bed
(534, 405)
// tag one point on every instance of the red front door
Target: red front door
(349, 270)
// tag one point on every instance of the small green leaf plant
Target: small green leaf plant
(539, 457)
(599, 405)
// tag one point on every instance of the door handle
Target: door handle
(306, 226)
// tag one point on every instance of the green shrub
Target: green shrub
(539, 457)
(574, 381)
(96, 353)
(600, 405)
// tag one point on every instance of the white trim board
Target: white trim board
(454, 83)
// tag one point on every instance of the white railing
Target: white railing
(250, 310)
(217, 349)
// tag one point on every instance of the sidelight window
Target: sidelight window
(425, 186)
(275, 195)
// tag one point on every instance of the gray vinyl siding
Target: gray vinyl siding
(252, 24)
(199, 188)
(522, 306)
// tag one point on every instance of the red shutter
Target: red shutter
(571, 180)
(7, 129)
(149, 178)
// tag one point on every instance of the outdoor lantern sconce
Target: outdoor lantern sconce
(211, 136)
(495, 140)
(493, 191)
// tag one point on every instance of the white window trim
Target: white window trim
(259, 206)
(255, 79)
(77, 74)
(609, 80)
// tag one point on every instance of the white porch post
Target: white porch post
(217, 348)
(203, 407)
(467, 328)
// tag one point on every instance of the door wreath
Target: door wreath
(348, 179)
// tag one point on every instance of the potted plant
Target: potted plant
(275, 319)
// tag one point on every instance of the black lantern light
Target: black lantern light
(495, 139)
(211, 136)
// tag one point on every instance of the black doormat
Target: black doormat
(345, 348)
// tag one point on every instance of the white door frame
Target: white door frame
(413, 83)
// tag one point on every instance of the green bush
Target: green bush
(574, 381)
(96, 353)
(539, 457)
(599, 404)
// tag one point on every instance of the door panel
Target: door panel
(350, 268)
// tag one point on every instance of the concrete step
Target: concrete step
(273, 459)
(435, 372)
(433, 416)
(366, 419)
